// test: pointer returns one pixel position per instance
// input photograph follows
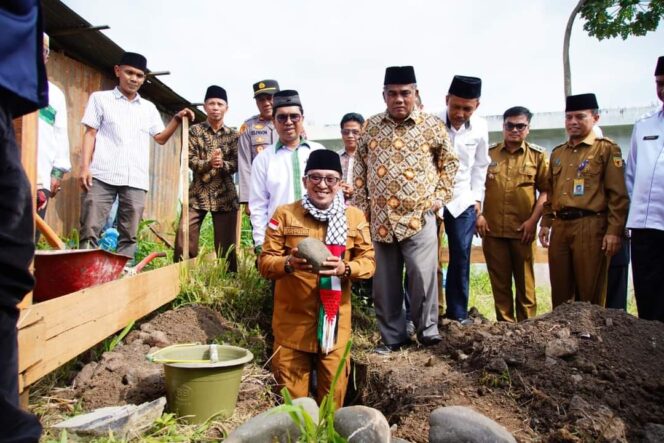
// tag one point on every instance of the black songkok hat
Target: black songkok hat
(134, 60)
(324, 159)
(399, 75)
(580, 102)
(215, 91)
(288, 97)
(266, 87)
(352, 117)
(466, 87)
(659, 70)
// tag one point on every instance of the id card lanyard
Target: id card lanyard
(579, 184)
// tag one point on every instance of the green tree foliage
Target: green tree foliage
(621, 18)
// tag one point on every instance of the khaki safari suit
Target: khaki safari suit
(512, 183)
(297, 302)
(577, 264)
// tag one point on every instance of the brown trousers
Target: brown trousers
(224, 224)
(577, 265)
(292, 368)
(508, 258)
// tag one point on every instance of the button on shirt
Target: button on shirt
(400, 169)
(645, 173)
(471, 145)
(598, 162)
(512, 182)
(122, 146)
(276, 179)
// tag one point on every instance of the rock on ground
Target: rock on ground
(453, 424)
(273, 425)
(361, 424)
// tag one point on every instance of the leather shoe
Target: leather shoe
(431, 340)
(388, 349)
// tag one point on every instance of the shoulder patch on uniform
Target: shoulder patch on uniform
(274, 224)
(243, 128)
(494, 145)
(618, 162)
(647, 115)
(537, 148)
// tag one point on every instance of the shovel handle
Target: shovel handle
(48, 233)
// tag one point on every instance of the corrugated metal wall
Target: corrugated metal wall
(78, 81)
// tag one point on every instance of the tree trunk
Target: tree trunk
(568, 35)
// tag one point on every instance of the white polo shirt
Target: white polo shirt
(122, 147)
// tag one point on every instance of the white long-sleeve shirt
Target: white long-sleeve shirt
(644, 174)
(275, 178)
(471, 145)
(53, 141)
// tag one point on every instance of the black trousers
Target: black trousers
(616, 285)
(648, 269)
(16, 251)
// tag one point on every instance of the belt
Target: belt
(574, 213)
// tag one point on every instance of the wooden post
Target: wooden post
(184, 181)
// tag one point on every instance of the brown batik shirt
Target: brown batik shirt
(212, 189)
(401, 169)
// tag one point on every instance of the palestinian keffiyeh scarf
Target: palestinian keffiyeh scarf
(330, 286)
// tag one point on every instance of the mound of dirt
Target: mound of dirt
(580, 373)
(125, 376)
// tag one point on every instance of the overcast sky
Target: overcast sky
(335, 52)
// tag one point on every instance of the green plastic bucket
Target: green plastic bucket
(198, 387)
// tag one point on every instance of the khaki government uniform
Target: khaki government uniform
(577, 265)
(512, 184)
(297, 301)
(255, 135)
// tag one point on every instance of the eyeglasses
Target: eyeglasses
(348, 132)
(329, 180)
(283, 118)
(518, 126)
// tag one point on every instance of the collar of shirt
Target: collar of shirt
(521, 148)
(466, 126)
(413, 116)
(589, 140)
(224, 129)
(119, 95)
(278, 145)
(345, 153)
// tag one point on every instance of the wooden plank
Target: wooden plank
(76, 322)
(29, 335)
(477, 255)
(184, 184)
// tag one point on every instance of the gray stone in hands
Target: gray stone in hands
(314, 251)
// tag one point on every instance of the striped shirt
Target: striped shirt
(276, 179)
(122, 146)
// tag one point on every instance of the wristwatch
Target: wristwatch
(288, 268)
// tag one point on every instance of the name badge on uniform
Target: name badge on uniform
(651, 137)
(579, 187)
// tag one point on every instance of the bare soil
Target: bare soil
(608, 390)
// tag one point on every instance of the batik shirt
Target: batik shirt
(401, 169)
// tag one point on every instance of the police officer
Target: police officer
(586, 207)
(512, 209)
(256, 134)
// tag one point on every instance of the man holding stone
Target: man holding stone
(312, 311)
(404, 172)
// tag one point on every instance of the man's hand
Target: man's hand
(527, 230)
(348, 190)
(216, 161)
(246, 209)
(85, 180)
(437, 204)
(333, 266)
(478, 209)
(299, 264)
(481, 226)
(544, 236)
(42, 201)
(55, 186)
(185, 112)
(611, 244)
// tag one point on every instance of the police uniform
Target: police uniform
(587, 200)
(510, 197)
(255, 135)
